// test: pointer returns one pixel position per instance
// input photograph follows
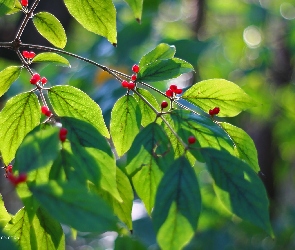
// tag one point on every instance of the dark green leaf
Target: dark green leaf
(163, 70)
(8, 76)
(19, 116)
(19, 229)
(229, 97)
(39, 149)
(50, 28)
(46, 233)
(70, 101)
(238, 187)
(149, 156)
(136, 6)
(75, 204)
(161, 52)
(52, 58)
(129, 243)
(148, 115)
(6, 241)
(177, 206)
(6, 6)
(97, 16)
(244, 145)
(125, 123)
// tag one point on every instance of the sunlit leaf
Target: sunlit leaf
(163, 70)
(97, 16)
(6, 6)
(17, 8)
(136, 6)
(75, 204)
(148, 115)
(4, 215)
(229, 97)
(177, 206)
(244, 145)
(125, 123)
(39, 148)
(161, 52)
(50, 28)
(238, 187)
(70, 101)
(8, 76)
(51, 58)
(19, 116)
(149, 156)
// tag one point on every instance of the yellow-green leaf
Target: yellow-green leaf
(7, 77)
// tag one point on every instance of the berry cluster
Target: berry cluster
(24, 3)
(131, 84)
(173, 89)
(45, 111)
(36, 78)
(63, 134)
(29, 55)
(14, 179)
(214, 111)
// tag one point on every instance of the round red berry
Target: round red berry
(21, 178)
(169, 93)
(43, 80)
(131, 85)
(125, 84)
(63, 134)
(173, 87)
(133, 77)
(25, 3)
(191, 139)
(44, 109)
(26, 54)
(164, 104)
(211, 112)
(135, 68)
(178, 91)
(216, 110)
(35, 78)
(31, 55)
(9, 169)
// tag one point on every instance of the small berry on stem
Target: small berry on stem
(214, 111)
(29, 55)
(124, 84)
(35, 78)
(15, 180)
(178, 91)
(164, 104)
(43, 80)
(45, 110)
(173, 87)
(63, 134)
(131, 85)
(25, 3)
(135, 68)
(133, 77)
(169, 93)
(191, 139)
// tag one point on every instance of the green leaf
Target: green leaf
(51, 57)
(75, 204)
(70, 101)
(163, 70)
(19, 116)
(238, 187)
(19, 229)
(17, 8)
(136, 6)
(46, 232)
(50, 28)
(125, 123)
(7, 77)
(39, 149)
(129, 243)
(244, 145)
(149, 156)
(4, 215)
(6, 6)
(229, 97)
(122, 209)
(177, 206)
(97, 16)
(161, 52)
(148, 115)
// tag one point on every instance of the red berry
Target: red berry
(169, 93)
(191, 139)
(35, 78)
(44, 109)
(133, 77)
(21, 178)
(31, 55)
(63, 134)
(9, 169)
(125, 84)
(25, 3)
(173, 87)
(26, 54)
(43, 80)
(131, 85)
(216, 110)
(164, 104)
(211, 112)
(178, 91)
(135, 68)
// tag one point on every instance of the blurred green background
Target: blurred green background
(249, 42)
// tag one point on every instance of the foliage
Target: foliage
(75, 180)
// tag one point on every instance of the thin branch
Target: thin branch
(146, 101)
(8, 45)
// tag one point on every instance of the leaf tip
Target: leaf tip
(138, 20)
(114, 44)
